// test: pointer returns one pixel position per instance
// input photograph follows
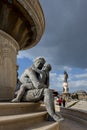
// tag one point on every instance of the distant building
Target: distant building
(81, 94)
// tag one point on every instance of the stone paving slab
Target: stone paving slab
(46, 125)
(81, 105)
(68, 124)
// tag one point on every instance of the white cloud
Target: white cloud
(74, 84)
(81, 75)
(24, 54)
(67, 68)
(56, 82)
(86, 69)
(79, 84)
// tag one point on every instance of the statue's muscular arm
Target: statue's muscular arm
(42, 72)
(35, 81)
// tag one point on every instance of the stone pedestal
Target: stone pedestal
(8, 73)
(65, 93)
(65, 87)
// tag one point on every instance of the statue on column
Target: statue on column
(35, 87)
(65, 76)
(65, 83)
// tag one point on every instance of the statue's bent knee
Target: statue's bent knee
(46, 90)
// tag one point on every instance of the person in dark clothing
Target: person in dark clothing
(64, 102)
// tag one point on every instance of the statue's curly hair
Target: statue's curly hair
(40, 58)
(49, 66)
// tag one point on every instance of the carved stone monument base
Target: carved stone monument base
(8, 74)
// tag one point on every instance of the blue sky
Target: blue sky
(64, 43)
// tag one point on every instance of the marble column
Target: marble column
(8, 72)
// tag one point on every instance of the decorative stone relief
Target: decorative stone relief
(8, 73)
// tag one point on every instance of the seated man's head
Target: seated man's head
(39, 62)
(47, 67)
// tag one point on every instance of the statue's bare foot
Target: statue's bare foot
(61, 119)
(15, 100)
(57, 118)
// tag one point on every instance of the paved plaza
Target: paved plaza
(81, 105)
